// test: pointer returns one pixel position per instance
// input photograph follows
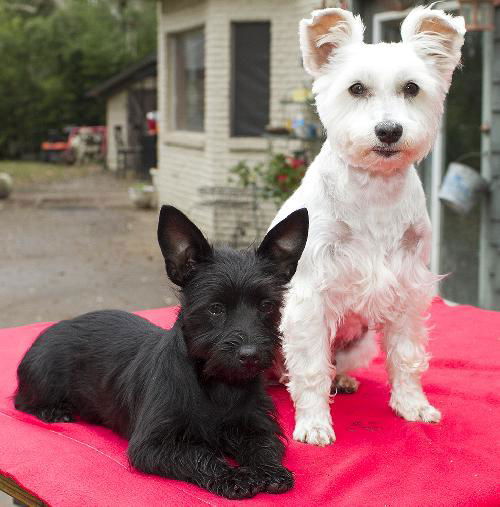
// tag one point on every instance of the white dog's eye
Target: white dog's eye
(358, 90)
(411, 89)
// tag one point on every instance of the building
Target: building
(129, 96)
(227, 68)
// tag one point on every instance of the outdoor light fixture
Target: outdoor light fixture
(478, 14)
(343, 4)
(398, 5)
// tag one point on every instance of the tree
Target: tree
(53, 52)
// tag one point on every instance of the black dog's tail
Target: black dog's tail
(41, 391)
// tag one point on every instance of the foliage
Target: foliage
(53, 52)
(276, 179)
(247, 175)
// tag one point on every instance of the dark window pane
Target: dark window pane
(460, 234)
(250, 80)
(189, 71)
(391, 30)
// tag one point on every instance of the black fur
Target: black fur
(187, 397)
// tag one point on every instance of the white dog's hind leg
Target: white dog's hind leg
(356, 354)
(345, 384)
(404, 342)
(306, 346)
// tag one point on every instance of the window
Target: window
(250, 78)
(188, 57)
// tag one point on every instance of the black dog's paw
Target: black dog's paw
(54, 414)
(238, 483)
(277, 479)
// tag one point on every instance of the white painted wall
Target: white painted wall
(116, 114)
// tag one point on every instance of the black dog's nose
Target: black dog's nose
(248, 355)
(388, 131)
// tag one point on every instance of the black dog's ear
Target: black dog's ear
(182, 244)
(284, 243)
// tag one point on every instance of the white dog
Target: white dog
(365, 265)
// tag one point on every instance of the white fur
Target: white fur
(365, 264)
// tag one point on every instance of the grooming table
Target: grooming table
(378, 459)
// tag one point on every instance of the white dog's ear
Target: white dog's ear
(436, 36)
(323, 33)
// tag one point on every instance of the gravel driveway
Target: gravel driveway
(71, 247)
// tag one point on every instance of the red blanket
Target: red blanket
(378, 459)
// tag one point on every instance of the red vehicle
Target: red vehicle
(86, 143)
(55, 146)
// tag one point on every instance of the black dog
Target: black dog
(183, 398)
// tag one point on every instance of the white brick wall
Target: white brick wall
(188, 161)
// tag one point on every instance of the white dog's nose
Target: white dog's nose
(388, 131)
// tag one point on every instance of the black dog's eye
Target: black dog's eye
(216, 309)
(266, 306)
(358, 90)
(411, 89)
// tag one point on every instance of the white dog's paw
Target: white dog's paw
(415, 410)
(314, 432)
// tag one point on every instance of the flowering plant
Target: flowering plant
(276, 179)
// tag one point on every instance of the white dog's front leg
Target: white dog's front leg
(404, 342)
(306, 347)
